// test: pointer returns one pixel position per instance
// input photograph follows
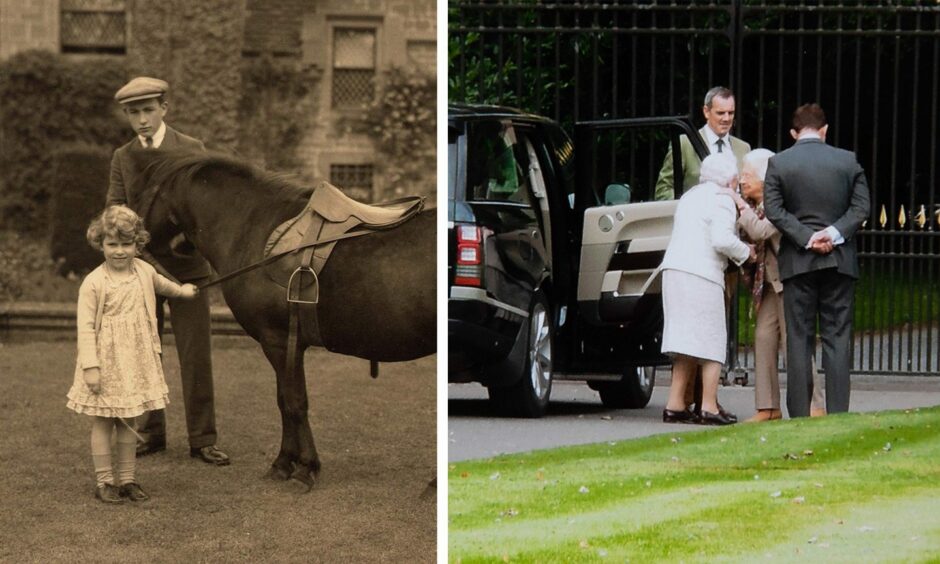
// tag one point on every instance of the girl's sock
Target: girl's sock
(101, 450)
(126, 455)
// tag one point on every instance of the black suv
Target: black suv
(553, 266)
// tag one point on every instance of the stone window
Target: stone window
(93, 26)
(353, 179)
(353, 67)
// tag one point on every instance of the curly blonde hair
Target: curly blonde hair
(119, 222)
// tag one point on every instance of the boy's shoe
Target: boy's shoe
(108, 494)
(134, 492)
(211, 455)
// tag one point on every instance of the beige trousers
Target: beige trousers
(770, 337)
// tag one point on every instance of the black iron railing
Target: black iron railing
(871, 65)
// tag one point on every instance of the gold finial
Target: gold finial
(883, 217)
(921, 217)
(902, 217)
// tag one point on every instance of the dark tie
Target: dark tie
(150, 143)
(720, 144)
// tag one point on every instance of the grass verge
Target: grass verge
(851, 487)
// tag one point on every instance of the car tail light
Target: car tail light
(469, 268)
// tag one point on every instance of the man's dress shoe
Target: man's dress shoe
(150, 446)
(683, 416)
(108, 494)
(211, 455)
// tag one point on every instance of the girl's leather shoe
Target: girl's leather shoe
(684, 416)
(134, 492)
(706, 418)
(108, 494)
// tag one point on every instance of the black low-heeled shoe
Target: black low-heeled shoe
(707, 418)
(683, 416)
(728, 414)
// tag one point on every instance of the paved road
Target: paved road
(576, 415)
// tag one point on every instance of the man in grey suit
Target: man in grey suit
(817, 196)
(144, 104)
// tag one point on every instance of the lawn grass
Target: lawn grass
(846, 488)
(883, 301)
(376, 438)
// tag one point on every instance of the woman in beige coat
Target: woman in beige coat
(763, 281)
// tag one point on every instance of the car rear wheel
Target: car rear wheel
(632, 391)
(529, 396)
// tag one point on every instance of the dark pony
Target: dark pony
(377, 292)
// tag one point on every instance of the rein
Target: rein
(273, 258)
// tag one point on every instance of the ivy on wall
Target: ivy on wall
(403, 123)
(197, 48)
(277, 105)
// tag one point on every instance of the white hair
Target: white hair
(718, 168)
(757, 160)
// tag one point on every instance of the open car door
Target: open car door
(624, 234)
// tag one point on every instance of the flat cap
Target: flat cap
(141, 88)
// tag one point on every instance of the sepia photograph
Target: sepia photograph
(218, 281)
(692, 268)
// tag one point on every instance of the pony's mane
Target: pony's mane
(173, 166)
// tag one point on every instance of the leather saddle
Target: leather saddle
(328, 214)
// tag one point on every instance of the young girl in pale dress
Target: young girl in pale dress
(119, 374)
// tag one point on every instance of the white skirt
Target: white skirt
(694, 317)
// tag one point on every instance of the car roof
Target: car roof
(466, 112)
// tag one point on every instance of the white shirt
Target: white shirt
(157, 137)
(713, 138)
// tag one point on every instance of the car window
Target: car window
(497, 164)
(627, 164)
(563, 150)
(453, 135)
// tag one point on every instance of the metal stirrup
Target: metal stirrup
(290, 284)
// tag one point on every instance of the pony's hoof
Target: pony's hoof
(303, 478)
(430, 491)
(278, 473)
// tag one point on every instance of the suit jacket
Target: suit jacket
(121, 190)
(809, 187)
(90, 308)
(703, 235)
(763, 230)
(691, 164)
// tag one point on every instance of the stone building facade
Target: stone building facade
(350, 43)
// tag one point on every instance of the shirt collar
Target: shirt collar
(712, 138)
(157, 137)
(809, 135)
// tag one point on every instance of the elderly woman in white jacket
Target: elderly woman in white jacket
(704, 237)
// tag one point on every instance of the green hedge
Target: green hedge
(46, 103)
(80, 184)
